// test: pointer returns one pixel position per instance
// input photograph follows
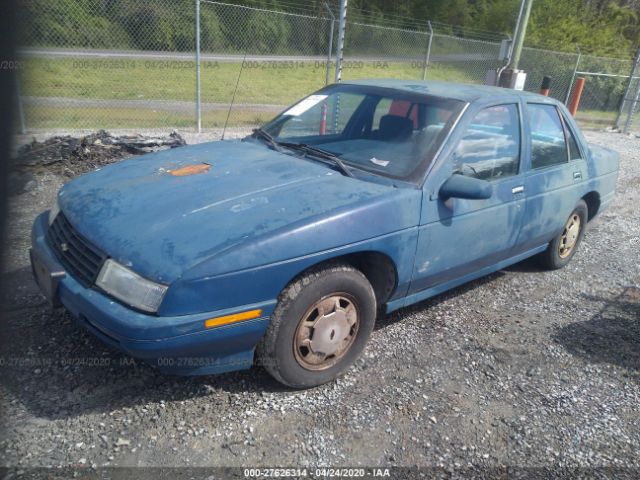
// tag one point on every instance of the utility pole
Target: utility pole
(511, 77)
(521, 30)
(515, 33)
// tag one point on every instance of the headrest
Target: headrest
(394, 127)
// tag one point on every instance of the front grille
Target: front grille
(81, 259)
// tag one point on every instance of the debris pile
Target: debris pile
(71, 156)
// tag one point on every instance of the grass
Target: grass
(261, 83)
(596, 118)
(266, 83)
(277, 83)
(54, 118)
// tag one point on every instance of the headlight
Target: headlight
(55, 210)
(129, 287)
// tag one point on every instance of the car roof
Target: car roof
(457, 91)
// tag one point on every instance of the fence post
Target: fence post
(23, 126)
(632, 109)
(627, 89)
(427, 55)
(573, 77)
(330, 49)
(198, 98)
(341, 29)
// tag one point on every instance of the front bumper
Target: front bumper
(179, 345)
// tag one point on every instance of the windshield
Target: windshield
(381, 130)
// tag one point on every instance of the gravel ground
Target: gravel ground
(523, 368)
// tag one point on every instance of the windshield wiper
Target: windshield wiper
(303, 147)
(260, 133)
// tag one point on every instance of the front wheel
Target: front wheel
(564, 246)
(320, 326)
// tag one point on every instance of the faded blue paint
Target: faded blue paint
(232, 238)
(250, 194)
(455, 91)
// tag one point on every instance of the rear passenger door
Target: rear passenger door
(556, 169)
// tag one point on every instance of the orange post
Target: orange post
(323, 119)
(546, 85)
(575, 96)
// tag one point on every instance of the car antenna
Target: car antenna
(233, 98)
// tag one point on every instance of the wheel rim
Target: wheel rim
(569, 236)
(326, 332)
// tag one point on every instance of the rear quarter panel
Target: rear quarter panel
(603, 173)
(553, 192)
(602, 166)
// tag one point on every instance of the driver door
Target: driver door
(459, 238)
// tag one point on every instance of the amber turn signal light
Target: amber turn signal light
(236, 317)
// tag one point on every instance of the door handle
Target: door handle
(518, 189)
(577, 175)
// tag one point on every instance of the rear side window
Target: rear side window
(490, 146)
(548, 146)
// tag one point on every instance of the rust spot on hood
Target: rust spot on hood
(190, 170)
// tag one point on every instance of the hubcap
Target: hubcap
(569, 236)
(326, 332)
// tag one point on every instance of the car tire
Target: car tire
(562, 248)
(328, 311)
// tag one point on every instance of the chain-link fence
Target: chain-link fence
(379, 51)
(556, 65)
(605, 83)
(92, 64)
(131, 64)
(262, 61)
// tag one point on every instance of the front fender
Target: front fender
(262, 267)
(264, 283)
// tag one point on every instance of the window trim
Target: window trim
(566, 144)
(567, 132)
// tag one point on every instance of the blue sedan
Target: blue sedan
(282, 248)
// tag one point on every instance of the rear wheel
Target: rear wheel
(564, 246)
(320, 326)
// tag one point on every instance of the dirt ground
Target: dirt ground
(523, 368)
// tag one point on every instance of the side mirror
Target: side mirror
(461, 186)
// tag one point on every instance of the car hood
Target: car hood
(160, 224)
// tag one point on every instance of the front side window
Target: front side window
(490, 146)
(548, 146)
(383, 131)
